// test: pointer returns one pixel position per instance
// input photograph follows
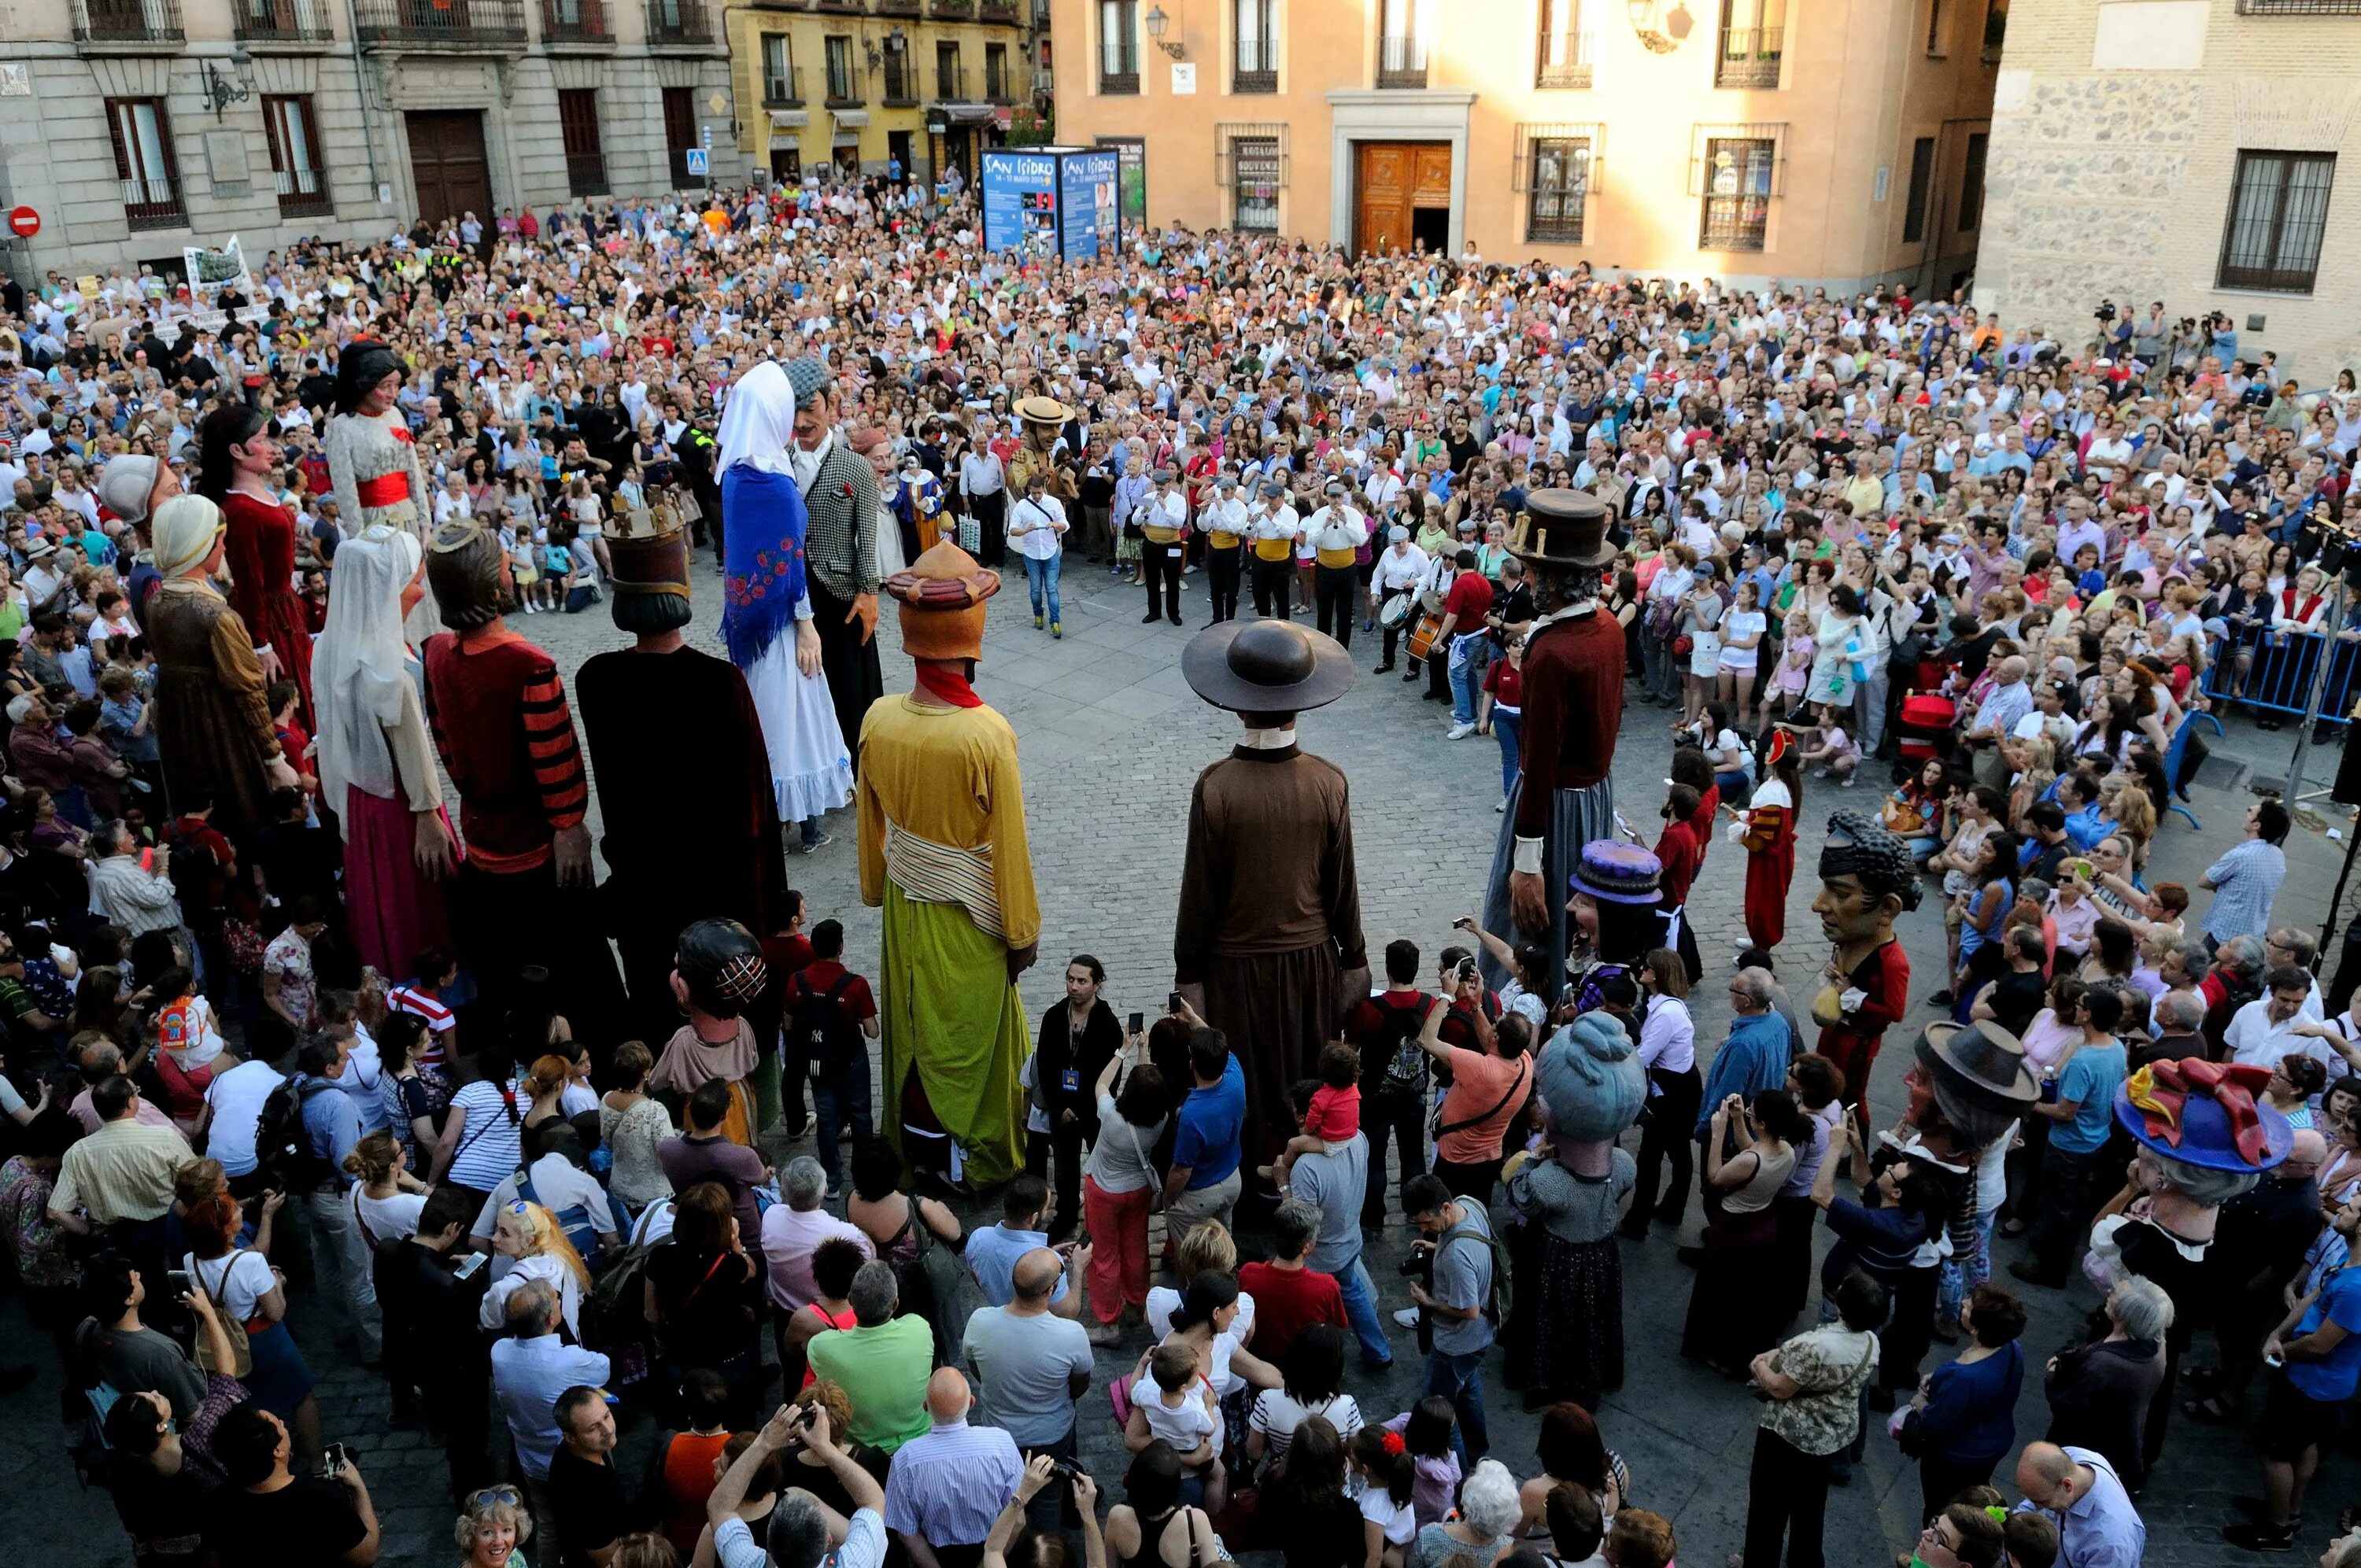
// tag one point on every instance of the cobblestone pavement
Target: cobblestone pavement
(1111, 739)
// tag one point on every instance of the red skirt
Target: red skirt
(1768, 874)
(395, 911)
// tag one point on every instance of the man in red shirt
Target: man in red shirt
(1384, 1029)
(1465, 635)
(1681, 851)
(784, 951)
(832, 1018)
(1289, 1297)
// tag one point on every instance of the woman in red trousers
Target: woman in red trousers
(1119, 1186)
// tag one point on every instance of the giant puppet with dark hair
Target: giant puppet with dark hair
(236, 456)
(718, 972)
(373, 465)
(1866, 879)
(1563, 798)
(943, 851)
(500, 721)
(839, 542)
(645, 709)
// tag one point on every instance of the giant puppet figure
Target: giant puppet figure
(645, 709)
(1266, 946)
(1573, 705)
(840, 545)
(943, 851)
(1866, 879)
(373, 461)
(500, 722)
(1044, 420)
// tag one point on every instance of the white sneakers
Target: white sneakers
(1460, 732)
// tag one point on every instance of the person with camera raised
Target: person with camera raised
(1031, 1364)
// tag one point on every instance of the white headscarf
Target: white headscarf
(361, 668)
(758, 424)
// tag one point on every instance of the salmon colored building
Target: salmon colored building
(1827, 142)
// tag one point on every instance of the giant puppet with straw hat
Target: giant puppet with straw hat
(1044, 420)
(951, 869)
(1266, 946)
(645, 709)
(1574, 706)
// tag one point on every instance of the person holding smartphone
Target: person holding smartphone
(1078, 1037)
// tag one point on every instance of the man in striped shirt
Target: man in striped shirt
(504, 731)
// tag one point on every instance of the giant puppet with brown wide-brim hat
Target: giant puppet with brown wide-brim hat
(1267, 945)
(1044, 420)
(1573, 672)
(951, 869)
(647, 710)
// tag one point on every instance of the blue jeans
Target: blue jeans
(1462, 669)
(837, 1097)
(1460, 1379)
(1361, 1311)
(1509, 728)
(1042, 576)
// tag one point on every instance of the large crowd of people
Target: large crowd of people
(270, 561)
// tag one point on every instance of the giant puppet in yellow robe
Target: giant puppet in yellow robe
(943, 852)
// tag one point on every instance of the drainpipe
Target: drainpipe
(360, 86)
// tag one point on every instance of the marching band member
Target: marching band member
(1272, 525)
(1335, 531)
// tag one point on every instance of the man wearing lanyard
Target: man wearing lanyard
(1036, 526)
(1224, 524)
(1164, 521)
(1337, 529)
(1272, 525)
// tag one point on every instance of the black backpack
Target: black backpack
(1396, 1064)
(818, 1028)
(283, 1148)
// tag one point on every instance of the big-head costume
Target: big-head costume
(943, 852)
(373, 464)
(1044, 421)
(214, 731)
(1866, 879)
(839, 492)
(646, 711)
(1573, 707)
(1270, 923)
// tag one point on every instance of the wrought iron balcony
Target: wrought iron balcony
(128, 22)
(574, 22)
(679, 22)
(282, 21)
(449, 24)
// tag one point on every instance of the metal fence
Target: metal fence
(2273, 669)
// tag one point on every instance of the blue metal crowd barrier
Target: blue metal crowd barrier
(2280, 667)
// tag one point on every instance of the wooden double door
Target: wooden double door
(1402, 192)
(448, 166)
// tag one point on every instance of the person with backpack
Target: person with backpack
(1465, 1298)
(559, 1181)
(229, 1128)
(1393, 1074)
(831, 1018)
(331, 1128)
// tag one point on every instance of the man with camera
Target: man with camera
(1450, 1269)
(1031, 1365)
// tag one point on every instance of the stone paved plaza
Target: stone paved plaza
(1112, 738)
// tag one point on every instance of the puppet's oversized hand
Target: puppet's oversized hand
(1527, 903)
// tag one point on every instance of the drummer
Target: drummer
(1223, 521)
(1273, 527)
(1442, 571)
(1401, 567)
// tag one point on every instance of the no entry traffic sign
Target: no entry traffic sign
(24, 222)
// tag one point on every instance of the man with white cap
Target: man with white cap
(1337, 531)
(1396, 573)
(1271, 528)
(1163, 518)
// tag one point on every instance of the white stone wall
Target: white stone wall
(2116, 129)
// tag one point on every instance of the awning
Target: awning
(851, 117)
(846, 138)
(962, 114)
(789, 119)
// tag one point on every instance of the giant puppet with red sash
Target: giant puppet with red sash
(373, 466)
(1866, 879)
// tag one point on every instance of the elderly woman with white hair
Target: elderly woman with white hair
(1489, 1508)
(214, 728)
(2100, 1392)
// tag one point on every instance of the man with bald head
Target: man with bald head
(2097, 1526)
(947, 1485)
(1996, 717)
(1030, 1365)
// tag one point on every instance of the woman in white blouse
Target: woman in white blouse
(1668, 1056)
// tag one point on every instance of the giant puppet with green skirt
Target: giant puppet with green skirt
(943, 852)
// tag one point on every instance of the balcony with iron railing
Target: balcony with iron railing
(586, 173)
(784, 90)
(843, 89)
(574, 22)
(1749, 57)
(851, 6)
(1003, 11)
(1122, 83)
(282, 21)
(441, 24)
(1401, 62)
(898, 7)
(1565, 60)
(128, 22)
(679, 22)
(952, 10)
(950, 83)
(901, 83)
(302, 193)
(153, 205)
(1256, 69)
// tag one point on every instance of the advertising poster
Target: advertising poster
(1131, 180)
(1089, 183)
(1021, 197)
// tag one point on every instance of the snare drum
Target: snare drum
(1421, 642)
(1394, 612)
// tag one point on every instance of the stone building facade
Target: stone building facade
(2187, 151)
(136, 128)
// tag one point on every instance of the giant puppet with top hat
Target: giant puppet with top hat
(943, 853)
(1266, 946)
(1563, 798)
(645, 709)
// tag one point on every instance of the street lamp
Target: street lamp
(222, 92)
(1157, 22)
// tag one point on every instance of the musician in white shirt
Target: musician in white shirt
(1223, 521)
(1271, 528)
(1163, 518)
(1037, 527)
(1336, 532)
(1395, 575)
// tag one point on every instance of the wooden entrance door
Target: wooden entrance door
(1394, 177)
(681, 134)
(447, 163)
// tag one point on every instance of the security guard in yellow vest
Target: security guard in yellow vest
(1163, 516)
(1223, 521)
(1271, 529)
(1338, 531)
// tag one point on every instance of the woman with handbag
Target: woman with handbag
(1121, 1188)
(249, 1296)
(1964, 1417)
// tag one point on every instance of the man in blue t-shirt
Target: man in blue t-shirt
(2080, 1113)
(1203, 1183)
(2318, 1344)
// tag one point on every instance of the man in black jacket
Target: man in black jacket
(1079, 1036)
(432, 1347)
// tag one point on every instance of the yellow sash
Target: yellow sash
(1274, 549)
(1159, 535)
(1220, 541)
(1336, 558)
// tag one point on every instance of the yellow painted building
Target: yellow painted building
(869, 83)
(1830, 142)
